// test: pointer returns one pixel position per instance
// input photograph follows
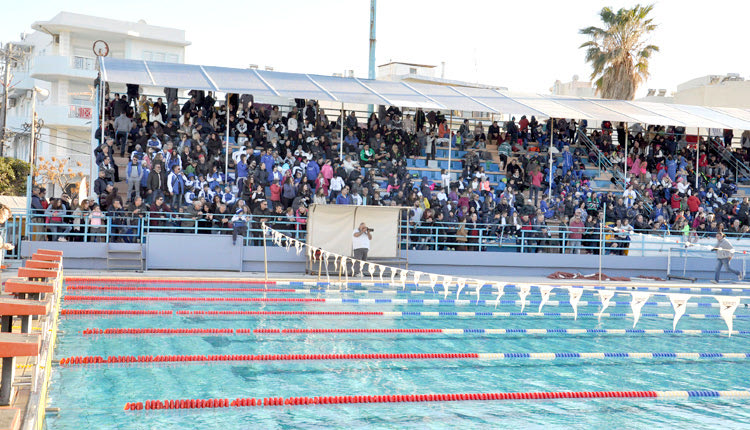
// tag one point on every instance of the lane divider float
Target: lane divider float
(93, 359)
(69, 312)
(414, 398)
(446, 331)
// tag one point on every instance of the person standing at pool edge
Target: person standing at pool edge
(361, 243)
(724, 254)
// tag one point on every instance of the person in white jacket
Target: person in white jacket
(335, 187)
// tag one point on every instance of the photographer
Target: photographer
(361, 241)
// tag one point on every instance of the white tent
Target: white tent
(263, 83)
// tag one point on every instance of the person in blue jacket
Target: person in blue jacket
(313, 170)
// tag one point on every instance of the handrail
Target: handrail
(741, 169)
(443, 236)
(616, 173)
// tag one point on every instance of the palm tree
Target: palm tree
(618, 52)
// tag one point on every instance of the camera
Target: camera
(370, 229)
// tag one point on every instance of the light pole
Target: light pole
(43, 94)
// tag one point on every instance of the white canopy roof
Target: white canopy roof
(262, 83)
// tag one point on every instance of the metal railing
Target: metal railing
(442, 236)
(615, 171)
(741, 170)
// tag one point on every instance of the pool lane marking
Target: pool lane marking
(361, 301)
(93, 359)
(445, 331)
(431, 397)
(114, 312)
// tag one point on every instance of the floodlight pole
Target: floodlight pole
(371, 65)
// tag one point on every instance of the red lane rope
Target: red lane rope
(206, 313)
(167, 281)
(329, 313)
(192, 299)
(89, 331)
(339, 330)
(93, 359)
(115, 331)
(126, 288)
(112, 312)
(399, 398)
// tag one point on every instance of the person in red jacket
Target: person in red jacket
(275, 192)
(675, 201)
(693, 203)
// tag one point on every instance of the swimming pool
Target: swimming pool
(93, 396)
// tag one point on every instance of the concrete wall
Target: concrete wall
(210, 252)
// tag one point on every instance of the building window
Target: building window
(148, 55)
(412, 70)
(173, 58)
(84, 63)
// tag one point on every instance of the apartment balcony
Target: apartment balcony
(55, 67)
(70, 116)
(20, 82)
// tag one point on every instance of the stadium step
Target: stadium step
(124, 259)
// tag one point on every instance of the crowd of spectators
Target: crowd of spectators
(280, 163)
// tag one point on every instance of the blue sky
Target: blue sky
(523, 45)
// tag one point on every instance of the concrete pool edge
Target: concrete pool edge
(35, 413)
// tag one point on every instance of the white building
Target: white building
(423, 74)
(60, 58)
(730, 90)
(575, 88)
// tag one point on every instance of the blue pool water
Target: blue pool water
(93, 396)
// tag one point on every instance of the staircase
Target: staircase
(124, 259)
(740, 169)
(606, 165)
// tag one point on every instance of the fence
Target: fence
(444, 236)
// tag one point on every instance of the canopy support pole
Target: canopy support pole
(625, 167)
(341, 134)
(601, 240)
(551, 141)
(697, 157)
(92, 164)
(450, 147)
(226, 147)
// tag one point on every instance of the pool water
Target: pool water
(93, 396)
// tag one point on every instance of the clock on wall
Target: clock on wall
(101, 49)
